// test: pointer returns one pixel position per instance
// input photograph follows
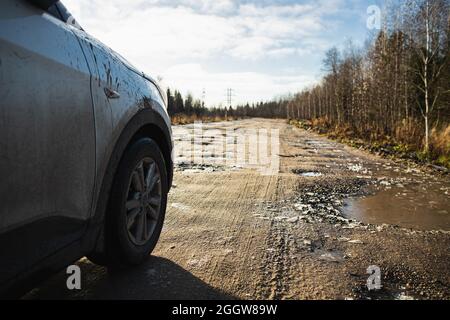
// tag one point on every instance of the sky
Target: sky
(262, 49)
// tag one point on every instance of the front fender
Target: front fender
(146, 122)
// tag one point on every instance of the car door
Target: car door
(47, 137)
(109, 92)
(117, 94)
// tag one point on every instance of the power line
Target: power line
(203, 97)
(230, 95)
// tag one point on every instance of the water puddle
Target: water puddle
(190, 168)
(408, 200)
(311, 174)
(307, 174)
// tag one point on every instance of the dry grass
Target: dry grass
(440, 145)
(407, 140)
(410, 132)
(181, 119)
(440, 140)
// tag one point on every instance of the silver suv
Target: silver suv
(85, 148)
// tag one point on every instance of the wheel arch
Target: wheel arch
(155, 133)
(146, 123)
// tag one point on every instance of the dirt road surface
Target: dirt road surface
(233, 233)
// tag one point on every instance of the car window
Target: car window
(67, 16)
(53, 10)
(59, 11)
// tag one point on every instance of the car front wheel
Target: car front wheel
(137, 205)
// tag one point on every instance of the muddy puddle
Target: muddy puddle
(307, 174)
(395, 193)
(400, 197)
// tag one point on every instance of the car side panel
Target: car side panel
(47, 137)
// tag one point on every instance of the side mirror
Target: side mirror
(43, 4)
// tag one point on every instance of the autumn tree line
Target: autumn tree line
(188, 109)
(396, 88)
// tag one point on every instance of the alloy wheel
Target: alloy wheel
(143, 201)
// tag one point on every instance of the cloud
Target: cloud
(256, 86)
(192, 29)
(164, 37)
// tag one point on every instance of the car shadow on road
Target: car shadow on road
(156, 279)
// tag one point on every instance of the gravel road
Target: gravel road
(234, 233)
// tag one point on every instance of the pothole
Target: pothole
(187, 167)
(308, 174)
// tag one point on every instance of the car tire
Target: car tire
(137, 205)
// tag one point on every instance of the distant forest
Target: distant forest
(396, 88)
(190, 107)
